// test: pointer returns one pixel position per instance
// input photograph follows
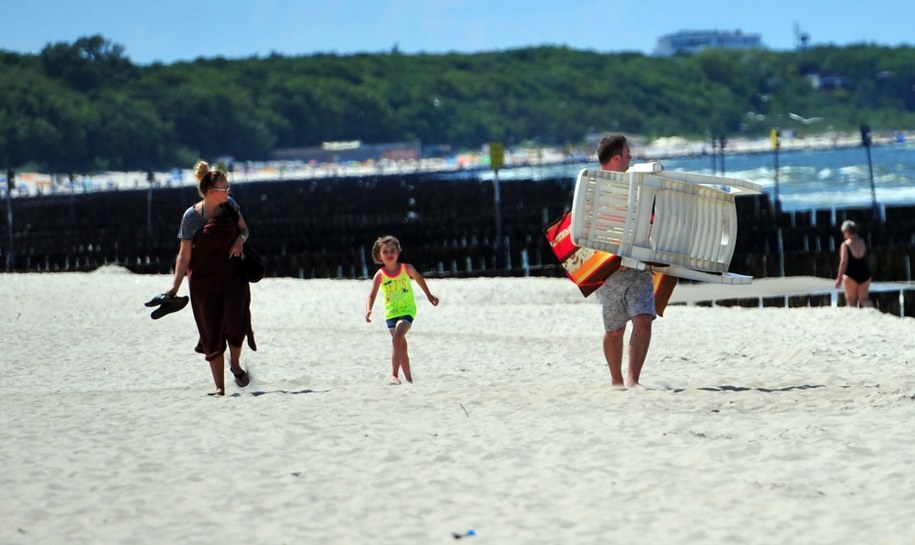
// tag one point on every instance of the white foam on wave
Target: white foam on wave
(856, 198)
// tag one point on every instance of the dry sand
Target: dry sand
(759, 425)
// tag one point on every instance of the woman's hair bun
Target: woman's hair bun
(201, 169)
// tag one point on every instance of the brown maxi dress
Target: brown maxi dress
(220, 293)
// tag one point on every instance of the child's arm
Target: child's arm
(415, 275)
(370, 300)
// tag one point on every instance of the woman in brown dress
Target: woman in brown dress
(211, 245)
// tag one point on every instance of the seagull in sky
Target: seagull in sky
(804, 120)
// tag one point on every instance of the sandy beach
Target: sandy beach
(767, 425)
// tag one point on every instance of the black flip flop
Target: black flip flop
(167, 304)
(242, 378)
(165, 298)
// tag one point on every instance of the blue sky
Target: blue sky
(172, 30)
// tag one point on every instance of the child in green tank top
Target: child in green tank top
(393, 279)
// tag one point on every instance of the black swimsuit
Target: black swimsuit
(857, 268)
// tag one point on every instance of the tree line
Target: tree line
(85, 106)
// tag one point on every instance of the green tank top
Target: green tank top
(398, 294)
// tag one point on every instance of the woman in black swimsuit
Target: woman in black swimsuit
(853, 267)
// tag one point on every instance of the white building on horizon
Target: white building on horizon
(694, 41)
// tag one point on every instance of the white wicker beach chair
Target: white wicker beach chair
(678, 223)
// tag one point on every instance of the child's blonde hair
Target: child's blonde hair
(381, 242)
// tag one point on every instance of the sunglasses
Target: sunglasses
(221, 189)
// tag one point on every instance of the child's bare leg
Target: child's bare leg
(399, 359)
(405, 362)
(395, 358)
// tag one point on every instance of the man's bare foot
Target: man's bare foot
(393, 381)
(617, 386)
(634, 386)
(218, 392)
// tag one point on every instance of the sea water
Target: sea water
(835, 178)
(806, 180)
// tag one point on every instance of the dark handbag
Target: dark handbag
(252, 264)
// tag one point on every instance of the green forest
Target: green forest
(84, 105)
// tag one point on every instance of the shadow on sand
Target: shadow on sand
(258, 393)
(767, 390)
(730, 388)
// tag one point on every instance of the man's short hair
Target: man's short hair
(610, 146)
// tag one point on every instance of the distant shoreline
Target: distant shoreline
(32, 184)
(674, 147)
